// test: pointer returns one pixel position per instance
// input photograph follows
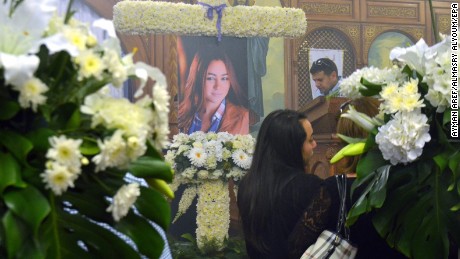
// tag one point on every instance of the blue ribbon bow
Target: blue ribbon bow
(210, 15)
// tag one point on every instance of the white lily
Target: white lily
(361, 119)
(413, 56)
(25, 29)
(143, 71)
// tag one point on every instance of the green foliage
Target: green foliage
(38, 223)
(416, 205)
(186, 248)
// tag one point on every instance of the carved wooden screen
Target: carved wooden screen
(324, 39)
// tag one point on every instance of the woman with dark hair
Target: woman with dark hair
(275, 193)
(213, 99)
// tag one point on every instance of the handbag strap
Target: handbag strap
(341, 180)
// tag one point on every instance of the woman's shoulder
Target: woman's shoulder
(308, 180)
(237, 110)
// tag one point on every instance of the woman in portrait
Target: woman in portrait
(213, 100)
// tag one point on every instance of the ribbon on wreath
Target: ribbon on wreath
(210, 14)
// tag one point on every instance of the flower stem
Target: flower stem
(69, 12)
(54, 219)
(433, 22)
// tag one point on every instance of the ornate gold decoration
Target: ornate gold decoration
(352, 31)
(443, 21)
(327, 8)
(387, 11)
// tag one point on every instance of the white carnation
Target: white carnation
(123, 200)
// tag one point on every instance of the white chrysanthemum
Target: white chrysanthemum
(402, 139)
(136, 147)
(113, 152)
(213, 214)
(111, 113)
(203, 174)
(350, 86)
(65, 151)
(236, 173)
(216, 174)
(118, 71)
(169, 157)
(241, 159)
(211, 162)
(123, 200)
(58, 178)
(161, 99)
(405, 98)
(89, 65)
(226, 154)
(76, 35)
(179, 139)
(31, 93)
(189, 173)
(186, 200)
(197, 156)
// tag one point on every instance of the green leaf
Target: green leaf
(15, 233)
(39, 138)
(446, 116)
(17, 144)
(100, 242)
(146, 167)
(378, 193)
(147, 239)
(153, 152)
(189, 237)
(74, 120)
(8, 109)
(10, 174)
(350, 139)
(369, 162)
(153, 206)
(371, 88)
(28, 204)
(89, 147)
(91, 86)
(66, 116)
(441, 160)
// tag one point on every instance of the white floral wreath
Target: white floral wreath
(144, 17)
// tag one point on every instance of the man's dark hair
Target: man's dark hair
(323, 64)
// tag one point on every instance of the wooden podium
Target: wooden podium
(323, 113)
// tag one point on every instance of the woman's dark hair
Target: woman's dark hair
(277, 159)
(193, 92)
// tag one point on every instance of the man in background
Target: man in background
(325, 75)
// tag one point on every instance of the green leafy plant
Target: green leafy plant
(187, 248)
(410, 164)
(66, 147)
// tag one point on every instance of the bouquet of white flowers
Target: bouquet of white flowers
(205, 162)
(202, 156)
(410, 164)
(66, 146)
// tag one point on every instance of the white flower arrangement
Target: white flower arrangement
(205, 162)
(410, 161)
(402, 139)
(210, 156)
(144, 17)
(68, 146)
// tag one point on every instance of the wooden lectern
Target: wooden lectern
(323, 113)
